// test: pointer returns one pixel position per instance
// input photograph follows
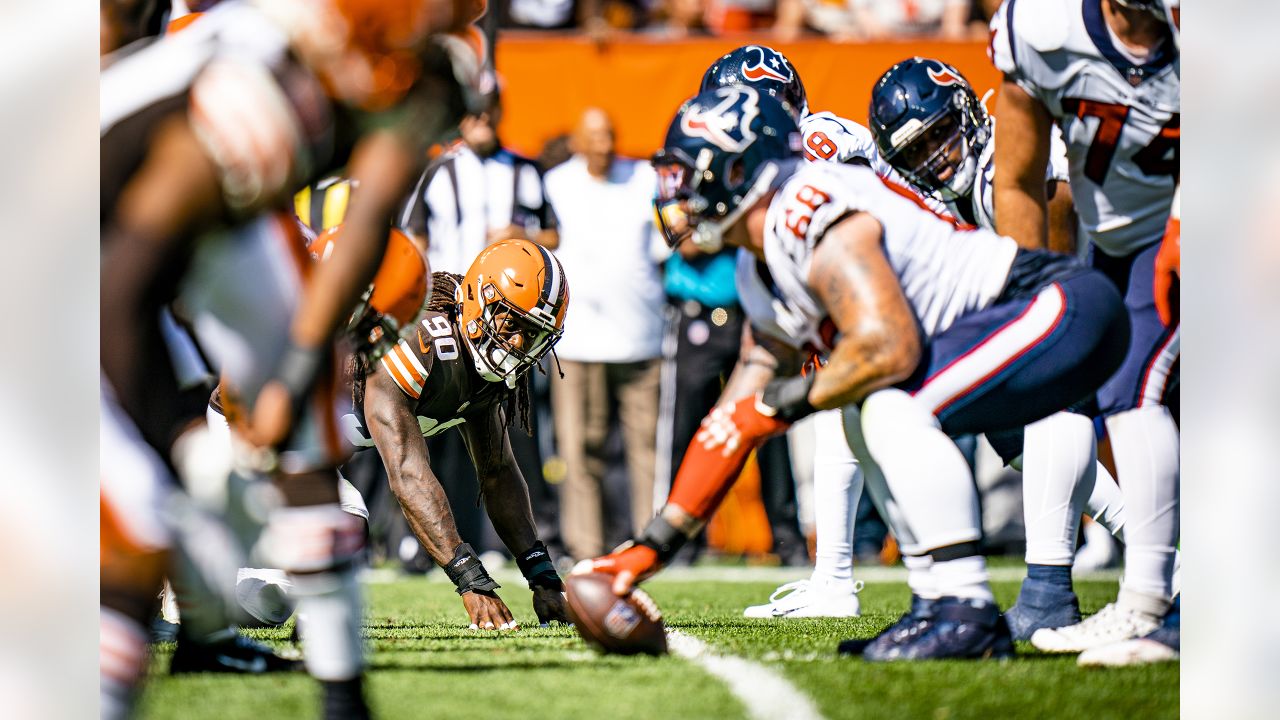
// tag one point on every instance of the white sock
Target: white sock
(964, 578)
(329, 618)
(310, 542)
(1106, 503)
(1145, 444)
(926, 474)
(837, 486)
(122, 657)
(1059, 460)
(920, 576)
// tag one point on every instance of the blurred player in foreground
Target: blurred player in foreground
(921, 329)
(466, 363)
(1108, 73)
(205, 135)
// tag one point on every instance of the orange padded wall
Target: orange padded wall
(549, 79)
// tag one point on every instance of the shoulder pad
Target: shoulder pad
(1043, 24)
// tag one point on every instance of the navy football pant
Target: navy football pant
(1018, 361)
(1146, 374)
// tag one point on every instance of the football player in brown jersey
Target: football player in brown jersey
(465, 363)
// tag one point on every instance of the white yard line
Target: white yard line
(779, 575)
(764, 693)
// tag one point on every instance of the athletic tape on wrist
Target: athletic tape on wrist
(535, 564)
(665, 538)
(467, 572)
(789, 397)
(298, 370)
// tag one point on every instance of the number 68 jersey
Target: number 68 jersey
(1119, 115)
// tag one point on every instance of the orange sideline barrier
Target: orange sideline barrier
(640, 82)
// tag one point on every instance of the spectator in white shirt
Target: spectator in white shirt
(611, 348)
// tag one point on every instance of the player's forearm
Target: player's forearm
(427, 509)
(1022, 156)
(860, 366)
(506, 501)
(1022, 213)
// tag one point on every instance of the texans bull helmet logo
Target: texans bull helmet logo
(766, 64)
(727, 125)
(943, 76)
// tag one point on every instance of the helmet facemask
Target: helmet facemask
(506, 341)
(684, 213)
(940, 155)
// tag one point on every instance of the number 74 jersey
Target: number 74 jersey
(1119, 115)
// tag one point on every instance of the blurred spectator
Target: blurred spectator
(836, 18)
(613, 332)
(594, 16)
(678, 19)
(735, 16)
(878, 19)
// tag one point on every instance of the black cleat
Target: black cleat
(907, 627)
(957, 629)
(344, 700)
(234, 654)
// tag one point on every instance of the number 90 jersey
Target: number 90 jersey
(432, 366)
(1120, 119)
(944, 271)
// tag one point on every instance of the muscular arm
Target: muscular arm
(174, 194)
(394, 429)
(506, 496)
(880, 340)
(1022, 155)
(1062, 217)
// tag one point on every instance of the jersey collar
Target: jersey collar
(1096, 25)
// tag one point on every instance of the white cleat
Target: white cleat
(1142, 651)
(810, 599)
(1112, 624)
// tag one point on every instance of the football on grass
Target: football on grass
(626, 625)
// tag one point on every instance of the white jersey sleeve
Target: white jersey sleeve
(830, 137)
(944, 271)
(1120, 121)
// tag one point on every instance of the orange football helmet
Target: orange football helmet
(396, 297)
(513, 301)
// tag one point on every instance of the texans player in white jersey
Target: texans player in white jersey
(830, 591)
(1108, 73)
(931, 127)
(920, 329)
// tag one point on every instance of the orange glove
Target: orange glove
(629, 564)
(1169, 272)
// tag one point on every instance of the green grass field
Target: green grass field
(425, 664)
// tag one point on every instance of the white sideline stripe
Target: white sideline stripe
(764, 693)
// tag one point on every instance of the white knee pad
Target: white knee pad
(873, 479)
(926, 474)
(266, 595)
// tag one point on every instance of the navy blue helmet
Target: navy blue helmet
(724, 150)
(763, 68)
(929, 125)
